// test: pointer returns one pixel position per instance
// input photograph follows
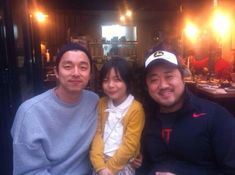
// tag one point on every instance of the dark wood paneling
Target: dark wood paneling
(89, 23)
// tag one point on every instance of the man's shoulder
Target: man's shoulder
(34, 101)
(28, 110)
(91, 95)
(207, 105)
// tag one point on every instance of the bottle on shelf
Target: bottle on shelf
(47, 56)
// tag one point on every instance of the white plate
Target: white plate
(202, 82)
(202, 85)
(229, 89)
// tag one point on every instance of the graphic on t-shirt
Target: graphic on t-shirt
(166, 133)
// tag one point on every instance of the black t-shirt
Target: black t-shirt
(167, 123)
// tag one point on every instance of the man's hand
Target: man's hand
(137, 162)
(105, 171)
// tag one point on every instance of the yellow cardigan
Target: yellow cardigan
(133, 123)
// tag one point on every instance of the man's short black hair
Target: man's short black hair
(71, 47)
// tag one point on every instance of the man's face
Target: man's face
(166, 86)
(73, 72)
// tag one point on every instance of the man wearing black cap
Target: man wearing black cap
(52, 132)
(184, 134)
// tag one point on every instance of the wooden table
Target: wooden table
(213, 94)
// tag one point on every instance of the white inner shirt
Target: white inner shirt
(113, 130)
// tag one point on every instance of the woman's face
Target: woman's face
(114, 87)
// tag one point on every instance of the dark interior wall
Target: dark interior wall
(61, 24)
(154, 27)
(9, 84)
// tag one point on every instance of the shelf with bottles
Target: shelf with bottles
(103, 48)
(101, 51)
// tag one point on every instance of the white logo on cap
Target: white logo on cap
(158, 53)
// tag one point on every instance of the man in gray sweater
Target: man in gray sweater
(52, 132)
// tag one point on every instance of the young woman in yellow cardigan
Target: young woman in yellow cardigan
(121, 120)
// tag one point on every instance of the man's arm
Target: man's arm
(223, 140)
(29, 156)
(29, 161)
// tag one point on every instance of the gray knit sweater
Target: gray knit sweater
(53, 138)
